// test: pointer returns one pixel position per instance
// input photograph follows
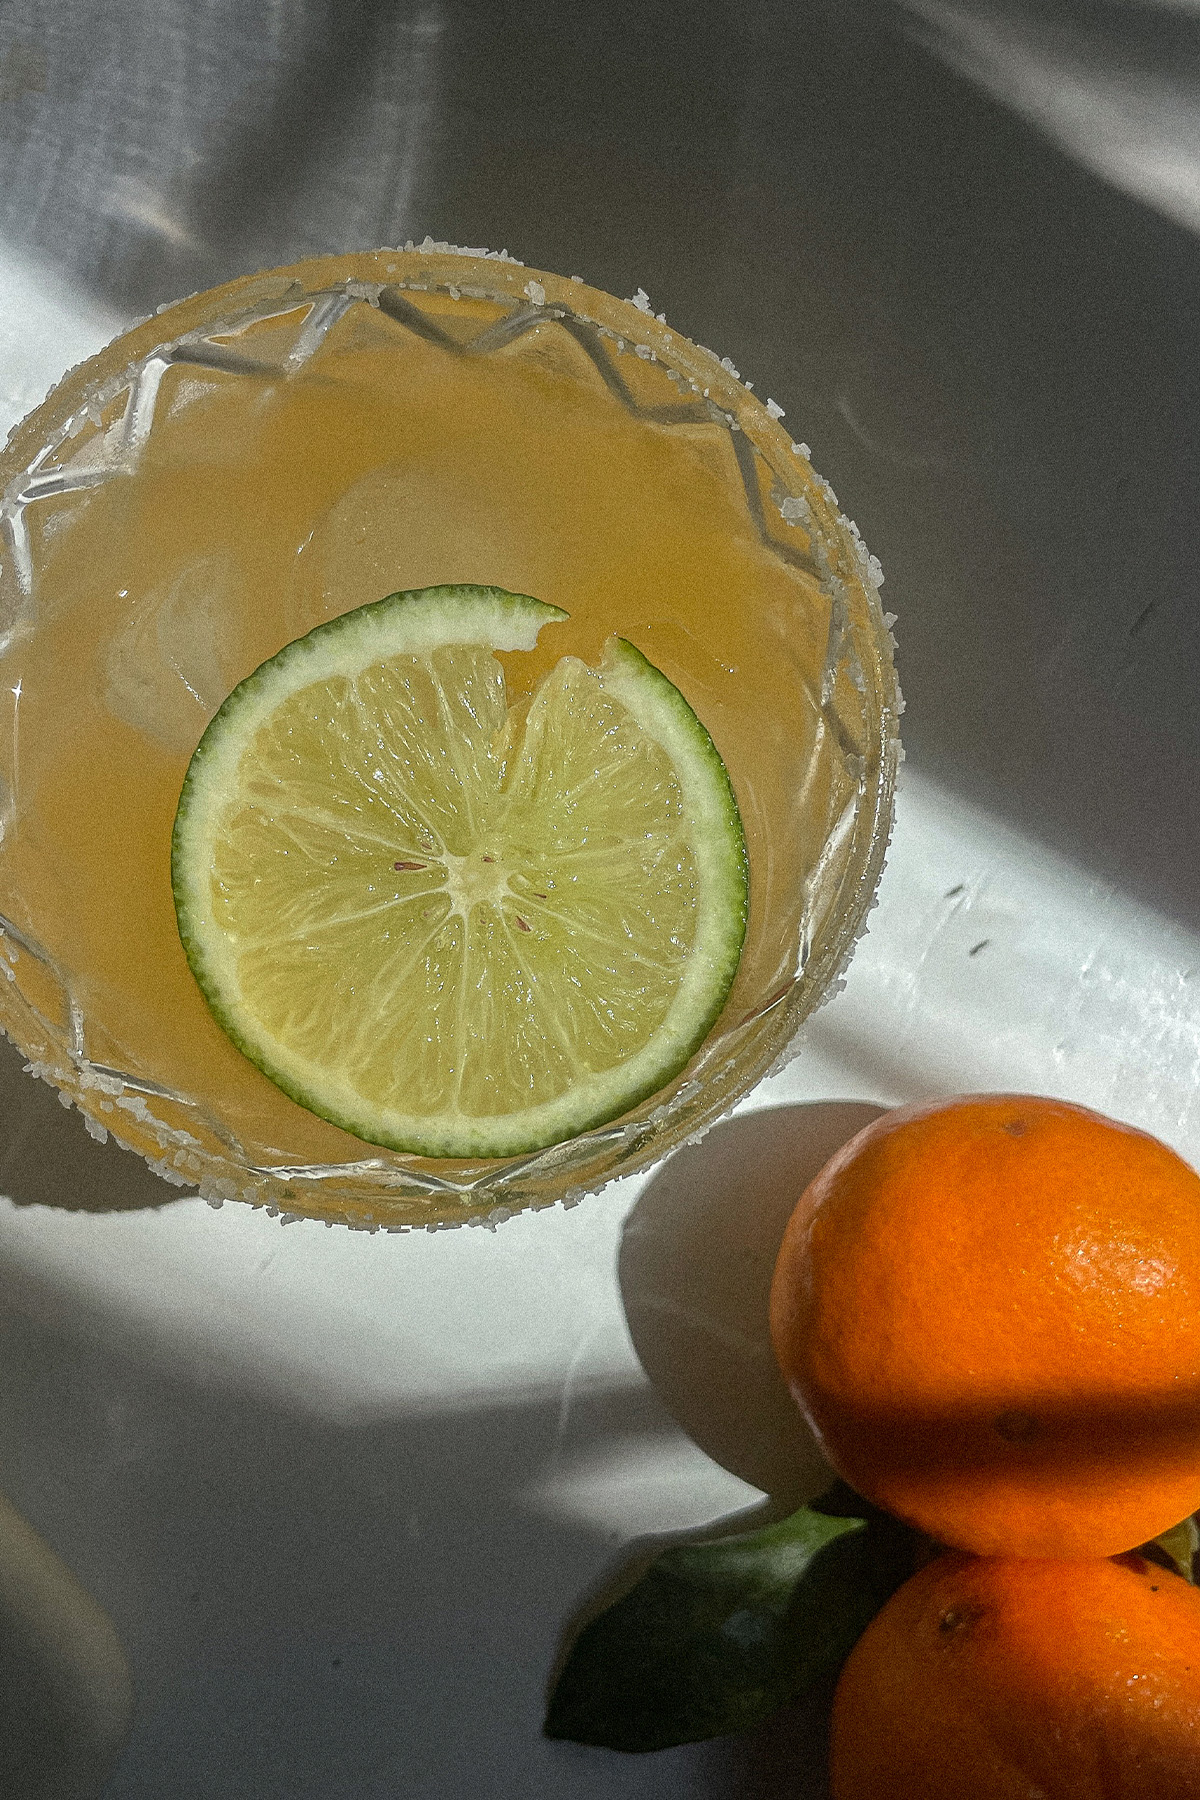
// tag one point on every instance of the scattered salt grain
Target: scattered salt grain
(642, 301)
(536, 292)
(774, 408)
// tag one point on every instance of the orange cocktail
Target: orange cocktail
(266, 456)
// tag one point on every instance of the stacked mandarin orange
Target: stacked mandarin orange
(989, 1311)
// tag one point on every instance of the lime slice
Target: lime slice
(447, 927)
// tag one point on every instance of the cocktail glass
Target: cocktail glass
(266, 455)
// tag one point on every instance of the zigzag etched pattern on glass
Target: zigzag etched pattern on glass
(259, 458)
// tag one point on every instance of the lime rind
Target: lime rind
(664, 714)
(420, 624)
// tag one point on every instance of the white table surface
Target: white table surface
(340, 1492)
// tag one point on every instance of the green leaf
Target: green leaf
(1179, 1547)
(716, 1636)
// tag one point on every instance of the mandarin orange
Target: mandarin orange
(989, 1310)
(1002, 1679)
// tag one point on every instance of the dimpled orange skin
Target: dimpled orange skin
(998, 1679)
(989, 1310)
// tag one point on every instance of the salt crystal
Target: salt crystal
(774, 408)
(642, 301)
(536, 292)
(435, 247)
(802, 450)
(727, 365)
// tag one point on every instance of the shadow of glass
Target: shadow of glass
(354, 1609)
(66, 1700)
(47, 1157)
(696, 1260)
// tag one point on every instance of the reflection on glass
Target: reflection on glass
(262, 458)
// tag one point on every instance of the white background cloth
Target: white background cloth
(340, 1493)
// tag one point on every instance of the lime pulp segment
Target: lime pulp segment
(449, 927)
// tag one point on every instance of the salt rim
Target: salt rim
(216, 1191)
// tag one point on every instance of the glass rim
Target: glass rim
(386, 1189)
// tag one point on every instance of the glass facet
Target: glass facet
(265, 456)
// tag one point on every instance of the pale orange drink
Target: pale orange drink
(267, 456)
